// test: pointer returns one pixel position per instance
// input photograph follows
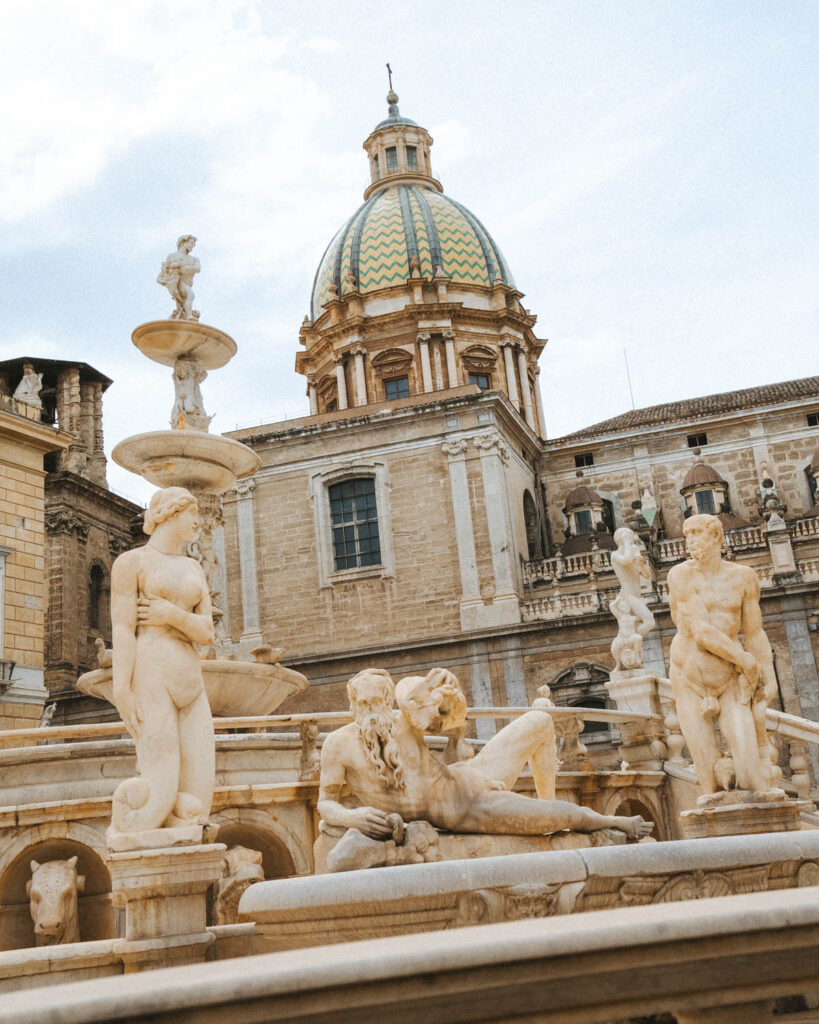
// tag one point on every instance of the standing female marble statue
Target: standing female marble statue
(176, 274)
(160, 608)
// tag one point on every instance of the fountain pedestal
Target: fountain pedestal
(164, 895)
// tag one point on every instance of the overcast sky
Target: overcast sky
(649, 170)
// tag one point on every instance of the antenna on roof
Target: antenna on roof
(628, 377)
(389, 75)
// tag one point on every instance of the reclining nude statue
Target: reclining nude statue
(377, 772)
(713, 677)
(160, 608)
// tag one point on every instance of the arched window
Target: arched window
(96, 582)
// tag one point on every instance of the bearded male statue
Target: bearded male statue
(377, 772)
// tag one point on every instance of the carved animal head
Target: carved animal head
(52, 892)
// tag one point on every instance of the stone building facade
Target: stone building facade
(85, 527)
(24, 441)
(418, 516)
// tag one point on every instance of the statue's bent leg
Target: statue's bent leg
(197, 755)
(145, 802)
(528, 739)
(737, 724)
(699, 735)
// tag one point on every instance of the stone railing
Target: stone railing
(671, 550)
(564, 566)
(746, 538)
(804, 529)
(562, 606)
(809, 569)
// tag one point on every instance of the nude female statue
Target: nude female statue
(176, 274)
(160, 608)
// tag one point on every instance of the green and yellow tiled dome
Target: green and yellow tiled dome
(403, 222)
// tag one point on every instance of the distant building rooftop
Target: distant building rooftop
(707, 405)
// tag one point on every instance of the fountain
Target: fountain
(208, 465)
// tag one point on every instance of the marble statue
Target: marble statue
(634, 618)
(161, 608)
(52, 892)
(378, 772)
(29, 388)
(177, 273)
(241, 868)
(189, 407)
(714, 678)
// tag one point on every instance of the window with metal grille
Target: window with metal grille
(481, 379)
(355, 523)
(697, 440)
(586, 459)
(813, 419)
(705, 503)
(396, 387)
(392, 159)
(412, 158)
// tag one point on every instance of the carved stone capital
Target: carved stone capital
(423, 338)
(338, 358)
(448, 335)
(63, 520)
(492, 443)
(509, 343)
(358, 350)
(245, 488)
(117, 544)
(455, 447)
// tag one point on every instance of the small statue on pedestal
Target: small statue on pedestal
(634, 618)
(714, 678)
(29, 388)
(176, 274)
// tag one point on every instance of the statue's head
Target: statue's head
(186, 242)
(371, 694)
(433, 703)
(370, 690)
(170, 502)
(622, 536)
(27, 369)
(703, 535)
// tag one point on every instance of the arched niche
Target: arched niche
(277, 861)
(629, 802)
(95, 911)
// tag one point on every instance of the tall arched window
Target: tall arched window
(96, 581)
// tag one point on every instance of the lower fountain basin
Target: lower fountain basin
(234, 688)
(187, 458)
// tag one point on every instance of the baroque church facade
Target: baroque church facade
(419, 516)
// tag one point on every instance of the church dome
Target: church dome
(400, 224)
(406, 225)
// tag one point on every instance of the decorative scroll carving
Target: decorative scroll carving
(64, 520)
(455, 447)
(487, 442)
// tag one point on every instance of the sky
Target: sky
(649, 170)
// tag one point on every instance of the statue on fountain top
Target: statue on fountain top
(378, 772)
(177, 273)
(634, 617)
(161, 608)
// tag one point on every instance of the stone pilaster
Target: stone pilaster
(494, 456)
(455, 451)
(426, 369)
(341, 382)
(528, 412)
(451, 362)
(245, 520)
(509, 366)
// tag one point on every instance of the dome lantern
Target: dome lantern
(398, 152)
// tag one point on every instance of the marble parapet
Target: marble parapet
(301, 912)
(737, 952)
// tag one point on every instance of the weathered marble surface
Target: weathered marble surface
(177, 273)
(299, 912)
(634, 618)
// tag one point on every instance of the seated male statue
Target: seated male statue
(378, 769)
(712, 675)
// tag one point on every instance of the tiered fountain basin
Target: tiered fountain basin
(187, 458)
(165, 340)
(234, 688)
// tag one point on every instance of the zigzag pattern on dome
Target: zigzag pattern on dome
(401, 223)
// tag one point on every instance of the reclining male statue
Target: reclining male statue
(377, 772)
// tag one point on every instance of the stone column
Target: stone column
(539, 403)
(494, 455)
(462, 518)
(511, 383)
(312, 396)
(360, 382)
(247, 560)
(341, 382)
(451, 364)
(528, 412)
(426, 370)
(439, 369)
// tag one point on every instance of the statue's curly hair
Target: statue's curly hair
(166, 503)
